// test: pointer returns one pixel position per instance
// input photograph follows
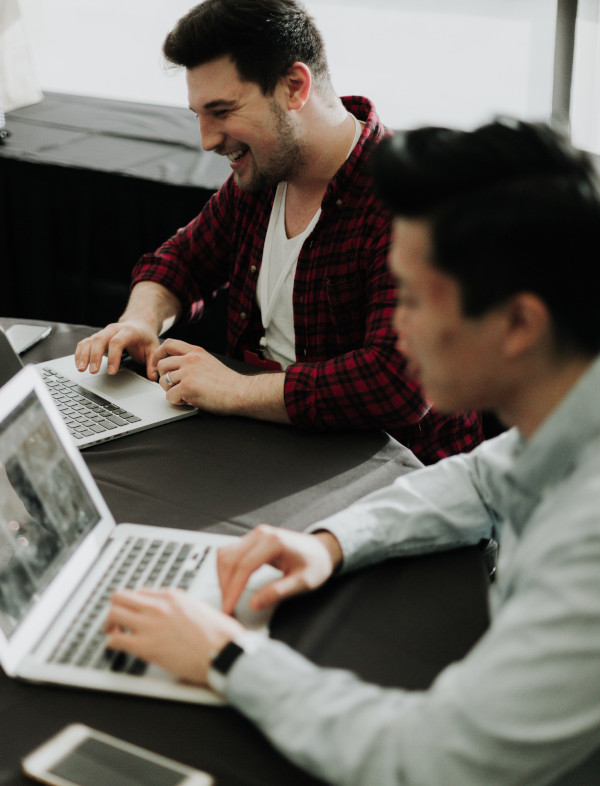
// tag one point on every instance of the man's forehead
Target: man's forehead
(412, 258)
(217, 81)
(412, 240)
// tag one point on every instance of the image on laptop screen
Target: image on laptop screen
(45, 511)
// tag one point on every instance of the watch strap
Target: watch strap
(222, 662)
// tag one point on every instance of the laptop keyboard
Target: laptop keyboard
(140, 562)
(84, 412)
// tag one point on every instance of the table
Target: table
(226, 475)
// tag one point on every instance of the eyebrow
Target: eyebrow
(218, 103)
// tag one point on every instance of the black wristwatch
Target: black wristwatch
(222, 661)
(225, 659)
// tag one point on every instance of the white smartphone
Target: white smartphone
(81, 756)
(23, 337)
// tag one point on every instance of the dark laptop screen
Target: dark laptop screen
(45, 510)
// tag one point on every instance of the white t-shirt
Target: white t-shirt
(275, 285)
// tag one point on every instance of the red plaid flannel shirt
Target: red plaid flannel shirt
(348, 373)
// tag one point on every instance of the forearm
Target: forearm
(153, 305)
(194, 263)
(426, 510)
(313, 716)
(261, 396)
(511, 712)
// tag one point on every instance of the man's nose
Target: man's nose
(210, 135)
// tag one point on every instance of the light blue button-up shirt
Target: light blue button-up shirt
(523, 707)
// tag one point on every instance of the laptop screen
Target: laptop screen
(45, 511)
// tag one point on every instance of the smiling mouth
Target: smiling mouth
(236, 156)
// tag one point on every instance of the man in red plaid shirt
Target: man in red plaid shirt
(297, 236)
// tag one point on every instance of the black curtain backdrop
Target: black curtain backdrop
(86, 187)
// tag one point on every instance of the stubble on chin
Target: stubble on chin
(284, 162)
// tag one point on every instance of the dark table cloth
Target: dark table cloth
(398, 623)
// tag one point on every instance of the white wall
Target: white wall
(421, 61)
(585, 97)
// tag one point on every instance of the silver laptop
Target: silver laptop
(98, 407)
(62, 556)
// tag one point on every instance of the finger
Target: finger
(124, 642)
(228, 558)
(148, 357)
(134, 600)
(177, 398)
(120, 617)
(233, 581)
(157, 355)
(89, 350)
(171, 347)
(82, 354)
(156, 593)
(115, 351)
(98, 345)
(273, 593)
(168, 364)
(151, 370)
(167, 382)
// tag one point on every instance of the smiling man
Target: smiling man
(496, 230)
(296, 235)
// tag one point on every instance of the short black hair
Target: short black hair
(262, 37)
(512, 207)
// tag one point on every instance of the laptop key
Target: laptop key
(139, 561)
(79, 403)
(118, 421)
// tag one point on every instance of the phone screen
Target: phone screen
(94, 763)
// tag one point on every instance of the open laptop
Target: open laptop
(62, 556)
(98, 407)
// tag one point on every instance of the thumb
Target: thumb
(276, 591)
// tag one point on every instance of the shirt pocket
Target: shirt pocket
(346, 300)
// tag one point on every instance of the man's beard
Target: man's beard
(283, 163)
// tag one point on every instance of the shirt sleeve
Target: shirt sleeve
(193, 264)
(522, 707)
(431, 509)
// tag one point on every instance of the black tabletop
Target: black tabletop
(397, 624)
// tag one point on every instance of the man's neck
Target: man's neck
(535, 401)
(328, 134)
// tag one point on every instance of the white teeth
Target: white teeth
(235, 156)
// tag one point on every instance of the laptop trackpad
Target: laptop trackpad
(122, 385)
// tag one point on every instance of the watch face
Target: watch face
(227, 657)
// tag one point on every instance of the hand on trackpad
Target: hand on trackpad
(256, 620)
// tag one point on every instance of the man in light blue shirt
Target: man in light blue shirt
(496, 242)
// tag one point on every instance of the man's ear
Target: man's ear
(298, 84)
(528, 323)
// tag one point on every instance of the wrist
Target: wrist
(333, 546)
(152, 305)
(261, 396)
(223, 660)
